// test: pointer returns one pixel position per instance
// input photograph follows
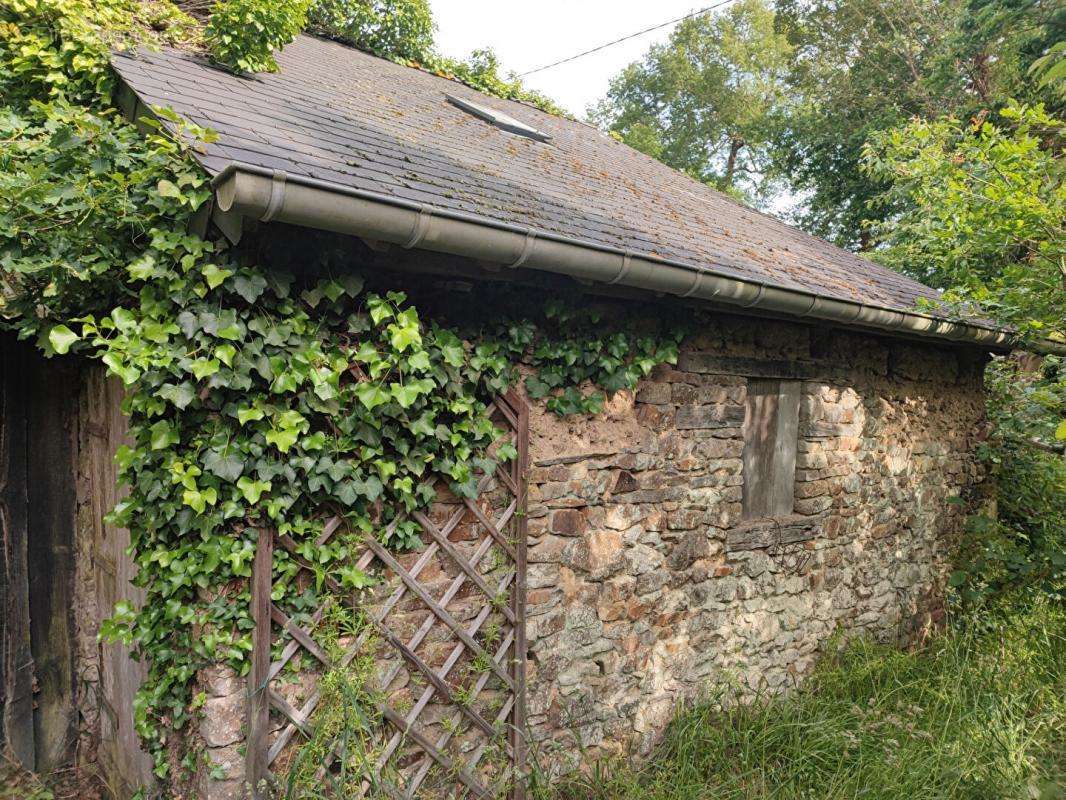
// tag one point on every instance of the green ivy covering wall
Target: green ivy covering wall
(254, 398)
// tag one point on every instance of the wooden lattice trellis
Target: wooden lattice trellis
(446, 628)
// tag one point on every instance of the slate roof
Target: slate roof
(339, 115)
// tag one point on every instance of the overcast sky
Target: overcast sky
(530, 34)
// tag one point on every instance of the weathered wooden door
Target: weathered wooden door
(124, 765)
(38, 445)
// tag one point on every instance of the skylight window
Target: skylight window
(498, 118)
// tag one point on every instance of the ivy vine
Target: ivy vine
(254, 398)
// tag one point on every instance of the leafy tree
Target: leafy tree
(703, 101)
(985, 213)
(243, 34)
(390, 28)
(859, 67)
(865, 66)
(985, 218)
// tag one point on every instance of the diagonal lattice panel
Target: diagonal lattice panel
(415, 687)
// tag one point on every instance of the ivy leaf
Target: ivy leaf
(253, 489)
(283, 439)
(351, 577)
(204, 367)
(316, 441)
(424, 425)
(371, 395)
(168, 189)
(249, 285)
(372, 488)
(353, 284)
(180, 395)
(61, 338)
(285, 382)
(1060, 431)
(245, 415)
(214, 275)
(224, 463)
(419, 362)
(142, 268)
(162, 435)
(124, 319)
(225, 353)
(332, 290)
(199, 499)
(405, 395)
(379, 309)
(128, 374)
(404, 333)
(451, 348)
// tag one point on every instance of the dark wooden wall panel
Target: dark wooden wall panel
(52, 434)
(16, 658)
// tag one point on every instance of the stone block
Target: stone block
(697, 417)
(223, 718)
(568, 522)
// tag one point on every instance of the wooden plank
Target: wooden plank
(771, 532)
(518, 596)
(771, 431)
(16, 658)
(103, 427)
(52, 426)
(760, 439)
(450, 766)
(298, 633)
(452, 727)
(460, 561)
(435, 680)
(783, 491)
(258, 678)
(714, 364)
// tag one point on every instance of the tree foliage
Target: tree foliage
(796, 88)
(399, 29)
(243, 34)
(984, 213)
(985, 219)
(703, 101)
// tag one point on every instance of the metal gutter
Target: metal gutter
(273, 195)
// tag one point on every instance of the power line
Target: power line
(627, 38)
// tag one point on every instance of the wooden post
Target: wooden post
(16, 657)
(518, 596)
(258, 679)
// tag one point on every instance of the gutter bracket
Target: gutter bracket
(527, 250)
(695, 285)
(420, 230)
(627, 262)
(277, 196)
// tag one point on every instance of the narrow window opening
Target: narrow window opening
(771, 430)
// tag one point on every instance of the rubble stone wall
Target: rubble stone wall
(646, 590)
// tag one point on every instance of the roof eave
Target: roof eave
(273, 195)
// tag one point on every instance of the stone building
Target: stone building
(793, 475)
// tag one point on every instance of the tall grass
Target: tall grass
(978, 712)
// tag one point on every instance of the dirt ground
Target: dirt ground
(68, 784)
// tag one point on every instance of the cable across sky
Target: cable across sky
(627, 38)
